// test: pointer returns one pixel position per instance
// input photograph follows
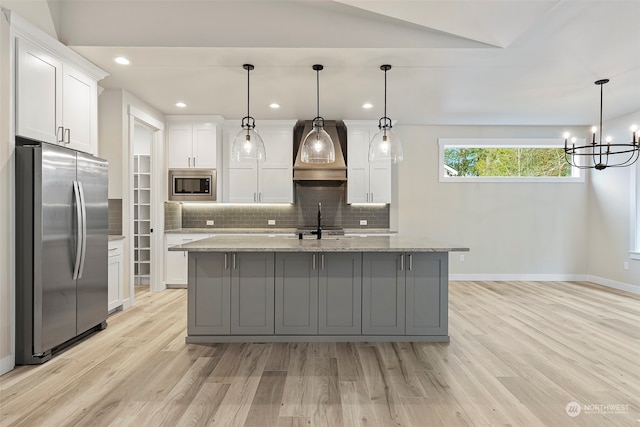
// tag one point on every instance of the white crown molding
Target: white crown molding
(21, 28)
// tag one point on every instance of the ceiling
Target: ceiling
(454, 62)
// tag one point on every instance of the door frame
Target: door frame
(158, 189)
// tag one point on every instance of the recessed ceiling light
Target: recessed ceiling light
(274, 105)
(122, 60)
(181, 104)
(367, 105)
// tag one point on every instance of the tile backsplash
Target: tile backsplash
(335, 212)
(115, 216)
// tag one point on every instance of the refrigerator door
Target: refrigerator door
(54, 247)
(93, 275)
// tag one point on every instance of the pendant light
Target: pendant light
(385, 145)
(602, 154)
(317, 146)
(248, 145)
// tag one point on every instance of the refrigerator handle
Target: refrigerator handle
(84, 230)
(76, 196)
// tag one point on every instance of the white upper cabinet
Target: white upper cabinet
(192, 142)
(79, 110)
(366, 182)
(56, 90)
(38, 108)
(268, 181)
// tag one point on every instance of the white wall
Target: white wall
(514, 230)
(110, 137)
(6, 205)
(142, 140)
(609, 226)
(113, 132)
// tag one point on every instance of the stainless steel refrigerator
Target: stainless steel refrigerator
(61, 248)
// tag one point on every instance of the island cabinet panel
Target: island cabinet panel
(296, 294)
(340, 292)
(383, 294)
(209, 294)
(427, 293)
(252, 291)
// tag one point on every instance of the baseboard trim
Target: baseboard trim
(546, 278)
(621, 286)
(126, 303)
(7, 364)
(519, 277)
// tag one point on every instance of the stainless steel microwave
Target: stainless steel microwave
(192, 185)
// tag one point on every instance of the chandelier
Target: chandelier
(603, 153)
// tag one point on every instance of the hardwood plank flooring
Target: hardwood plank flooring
(520, 352)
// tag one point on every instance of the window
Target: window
(500, 160)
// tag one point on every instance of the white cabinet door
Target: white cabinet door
(79, 110)
(179, 141)
(380, 182)
(358, 165)
(192, 144)
(264, 181)
(243, 183)
(176, 262)
(115, 276)
(367, 182)
(204, 147)
(275, 176)
(38, 104)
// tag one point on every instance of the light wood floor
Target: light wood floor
(519, 353)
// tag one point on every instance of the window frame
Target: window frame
(577, 175)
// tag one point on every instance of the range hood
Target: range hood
(336, 171)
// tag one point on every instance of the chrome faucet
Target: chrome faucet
(318, 231)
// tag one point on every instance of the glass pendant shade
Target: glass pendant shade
(317, 147)
(248, 145)
(385, 146)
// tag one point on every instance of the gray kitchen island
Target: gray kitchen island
(342, 288)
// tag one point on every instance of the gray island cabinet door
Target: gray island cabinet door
(208, 294)
(296, 302)
(340, 293)
(427, 294)
(383, 294)
(252, 293)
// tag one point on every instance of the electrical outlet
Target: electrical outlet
(363, 222)
(209, 222)
(626, 266)
(461, 258)
(271, 222)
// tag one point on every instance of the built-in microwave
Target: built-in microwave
(192, 185)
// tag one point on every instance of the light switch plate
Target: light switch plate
(363, 222)
(209, 222)
(271, 222)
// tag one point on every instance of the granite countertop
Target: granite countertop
(113, 237)
(267, 231)
(396, 243)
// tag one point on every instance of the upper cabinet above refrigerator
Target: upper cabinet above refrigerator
(56, 90)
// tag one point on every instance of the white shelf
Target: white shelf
(142, 219)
